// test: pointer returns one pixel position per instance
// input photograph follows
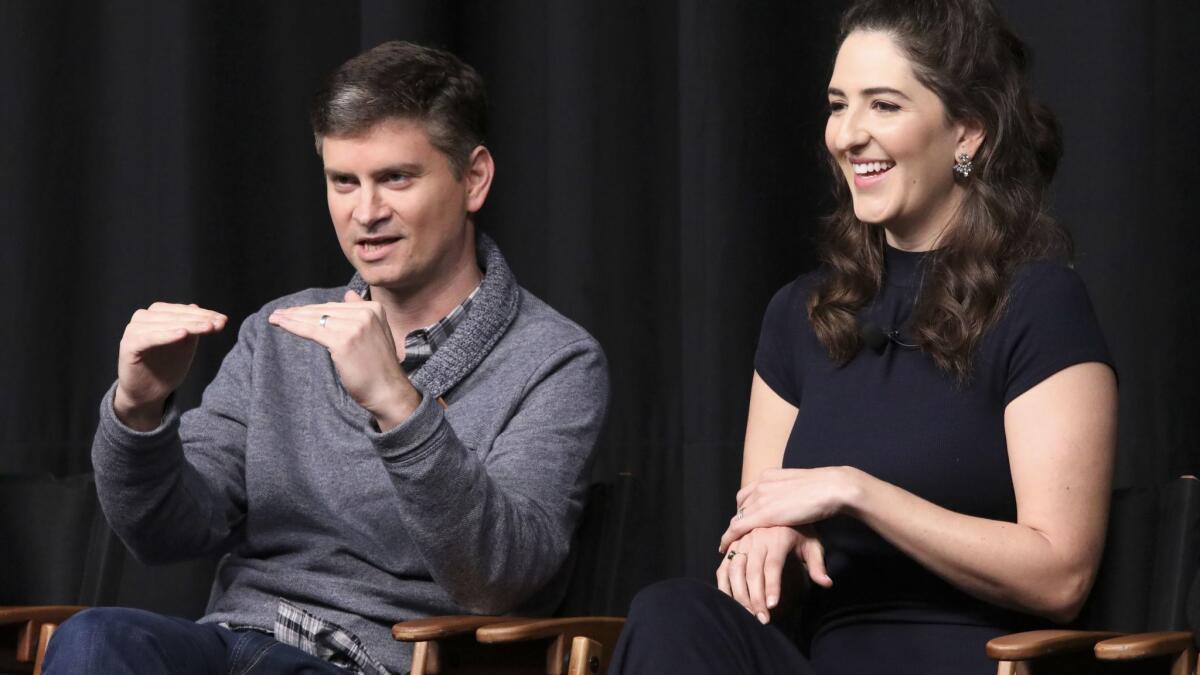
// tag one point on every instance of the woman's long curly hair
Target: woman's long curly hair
(964, 52)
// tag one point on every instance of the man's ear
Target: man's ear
(478, 177)
(971, 134)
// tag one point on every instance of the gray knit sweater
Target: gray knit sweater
(470, 508)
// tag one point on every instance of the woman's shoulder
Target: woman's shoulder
(1045, 269)
(1046, 285)
(1048, 324)
(794, 294)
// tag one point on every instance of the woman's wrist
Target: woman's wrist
(852, 492)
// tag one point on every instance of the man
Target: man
(355, 479)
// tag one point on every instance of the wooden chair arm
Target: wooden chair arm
(39, 613)
(441, 627)
(34, 619)
(1038, 644)
(1143, 645)
(602, 629)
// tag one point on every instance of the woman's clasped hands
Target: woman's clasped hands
(774, 521)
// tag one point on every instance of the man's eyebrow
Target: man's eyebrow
(872, 91)
(407, 168)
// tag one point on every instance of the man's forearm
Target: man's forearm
(153, 499)
(490, 545)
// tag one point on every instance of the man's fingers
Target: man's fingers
(140, 339)
(152, 315)
(813, 554)
(345, 314)
(350, 308)
(147, 334)
(157, 337)
(189, 310)
(299, 326)
(163, 323)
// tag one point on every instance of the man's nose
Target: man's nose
(370, 207)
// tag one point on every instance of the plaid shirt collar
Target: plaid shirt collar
(420, 344)
(492, 311)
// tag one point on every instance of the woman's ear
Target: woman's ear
(971, 134)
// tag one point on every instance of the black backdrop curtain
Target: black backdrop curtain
(659, 176)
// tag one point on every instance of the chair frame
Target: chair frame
(36, 624)
(567, 646)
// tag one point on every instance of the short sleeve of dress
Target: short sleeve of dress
(776, 360)
(1052, 326)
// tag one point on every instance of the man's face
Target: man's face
(400, 213)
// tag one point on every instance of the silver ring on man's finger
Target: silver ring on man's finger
(324, 318)
(740, 513)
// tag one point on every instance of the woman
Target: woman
(947, 481)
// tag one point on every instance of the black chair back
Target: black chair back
(1150, 560)
(597, 551)
(58, 549)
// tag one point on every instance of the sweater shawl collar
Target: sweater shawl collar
(491, 313)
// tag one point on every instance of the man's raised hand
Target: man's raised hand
(155, 355)
(359, 341)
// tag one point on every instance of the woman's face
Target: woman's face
(890, 136)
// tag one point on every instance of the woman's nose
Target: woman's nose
(851, 134)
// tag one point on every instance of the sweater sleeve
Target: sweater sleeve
(178, 491)
(494, 531)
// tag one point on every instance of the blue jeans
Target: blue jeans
(120, 641)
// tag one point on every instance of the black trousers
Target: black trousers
(685, 626)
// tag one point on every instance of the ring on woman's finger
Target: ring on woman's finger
(741, 512)
(732, 554)
(324, 318)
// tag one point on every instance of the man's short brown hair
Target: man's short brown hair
(402, 80)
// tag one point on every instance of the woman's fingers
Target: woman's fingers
(773, 563)
(812, 553)
(752, 570)
(737, 579)
(723, 577)
(740, 525)
(755, 558)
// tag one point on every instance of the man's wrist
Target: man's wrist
(139, 417)
(398, 407)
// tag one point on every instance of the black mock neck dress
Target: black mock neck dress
(891, 413)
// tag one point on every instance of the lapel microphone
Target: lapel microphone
(877, 338)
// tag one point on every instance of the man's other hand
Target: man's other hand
(155, 355)
(359, 341)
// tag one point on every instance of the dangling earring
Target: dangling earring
(963, 165)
